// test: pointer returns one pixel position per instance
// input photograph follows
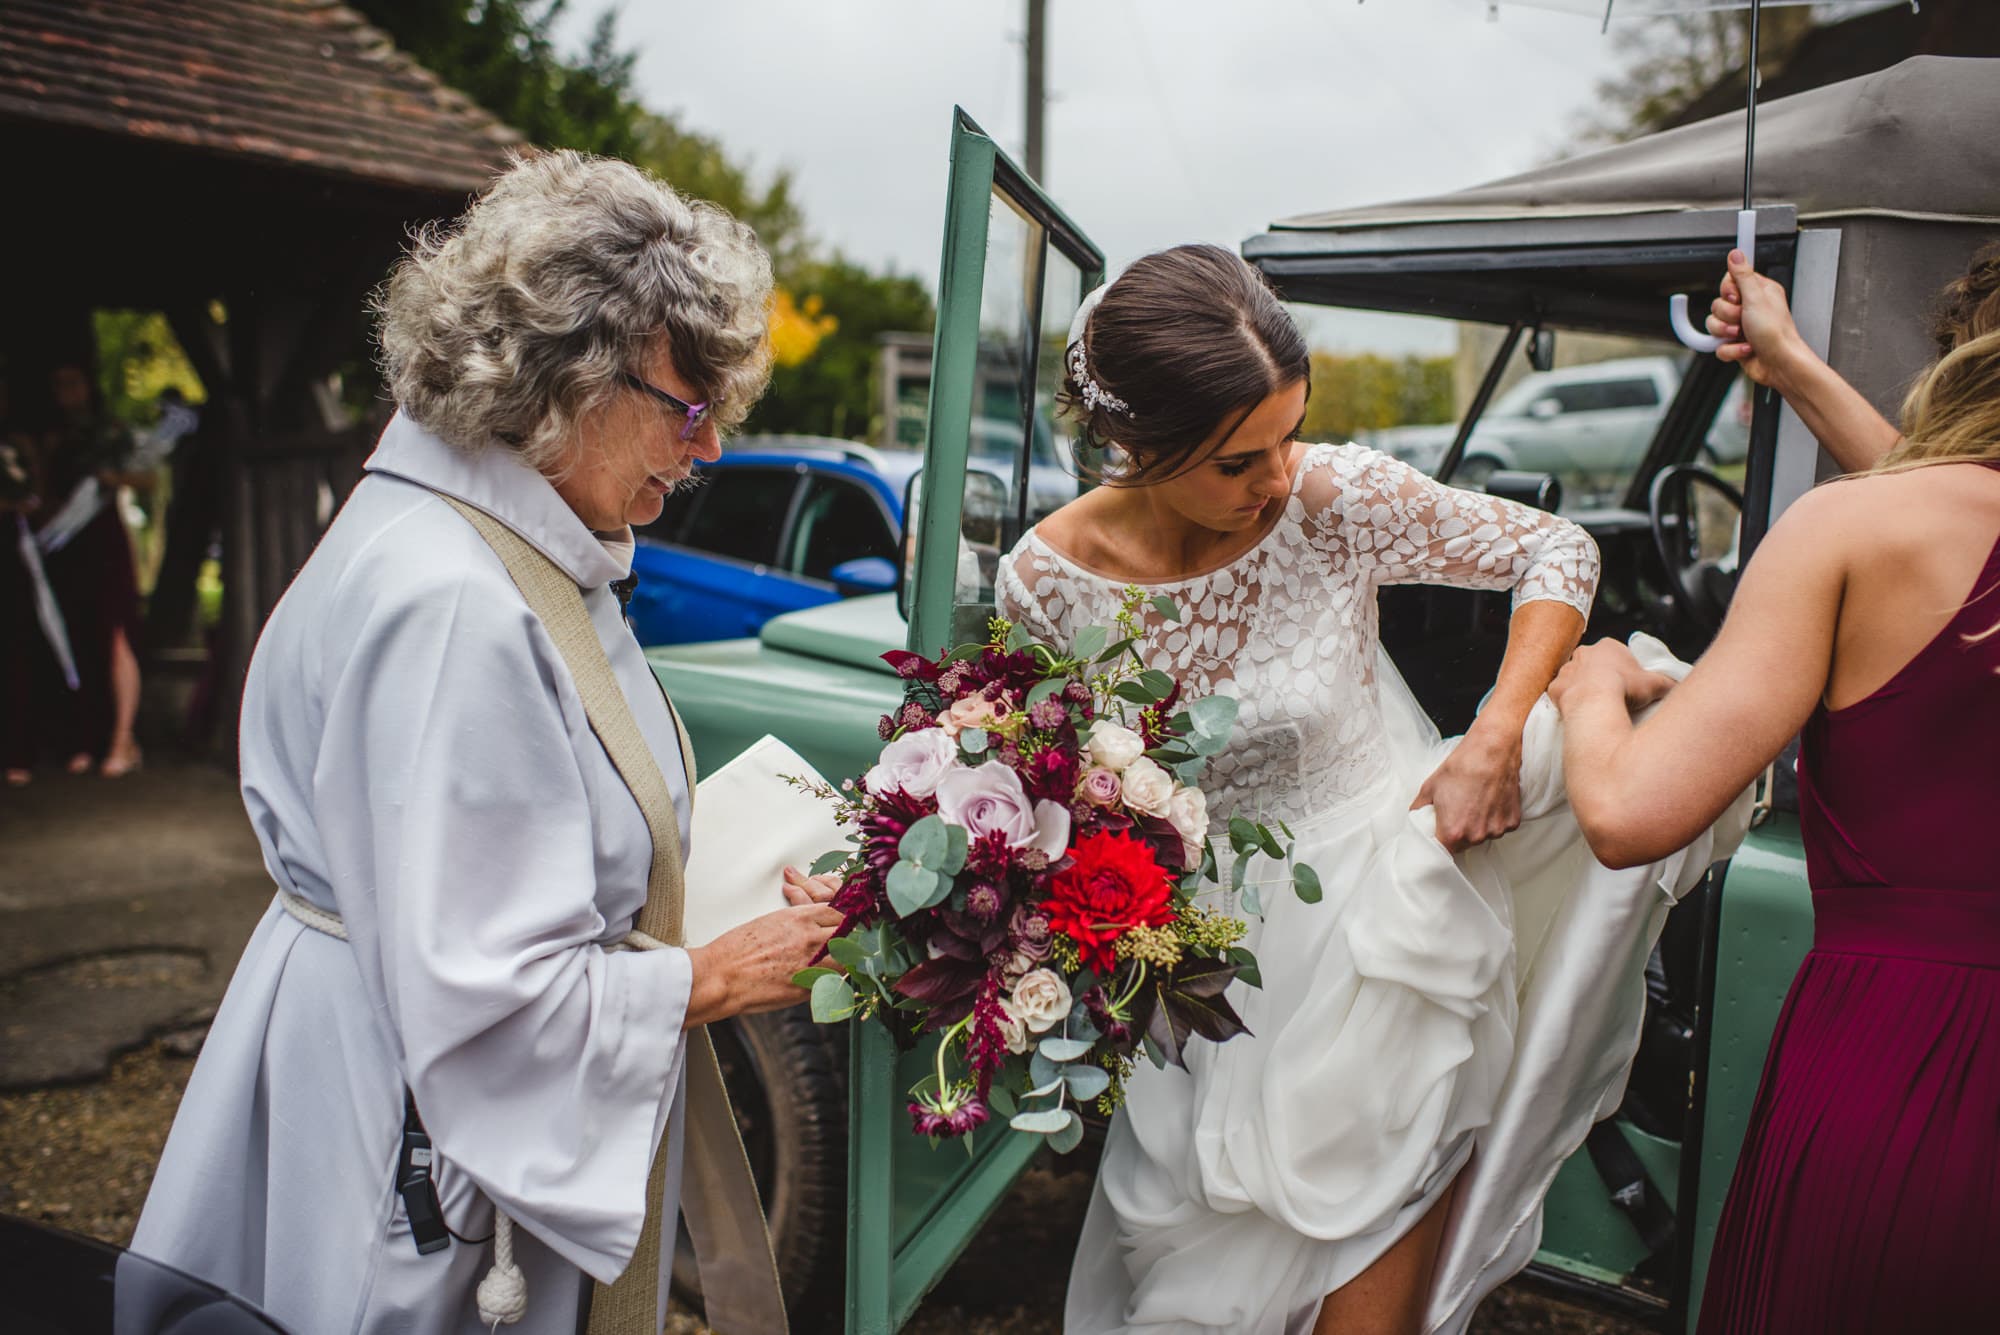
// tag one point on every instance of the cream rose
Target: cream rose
(1012, 1029)
(1041, 999)
(1188, 812)
(1114, 746)
(1147, 788)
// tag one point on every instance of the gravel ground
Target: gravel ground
(80, 1157)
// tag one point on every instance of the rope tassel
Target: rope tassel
(503, 1294)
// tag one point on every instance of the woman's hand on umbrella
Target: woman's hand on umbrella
(1752, 314)
(749, 968)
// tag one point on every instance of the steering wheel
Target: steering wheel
(1703, 573)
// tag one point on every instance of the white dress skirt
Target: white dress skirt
(1433, 1018)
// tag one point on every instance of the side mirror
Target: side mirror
(864, 574)
(1543, 409)
(1540, 490)
(1541, 349)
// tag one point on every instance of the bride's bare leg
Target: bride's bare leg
(1389, 1297)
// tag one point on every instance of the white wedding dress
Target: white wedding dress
(1391, 1042)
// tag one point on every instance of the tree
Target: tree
(1366, 392)
(832, 391)
(828, 311)
(1670, 62)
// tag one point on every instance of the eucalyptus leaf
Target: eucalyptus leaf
(1090, 642)
(1043, 1073)
(1158, 682)
(1079, 1025)
(1087, 1082)
(1213, 715)
(1269, 843)
(1240, 871)
(1242, 836)
(1153, 1052)
(1001, 1100)
(1019, 637)
(807, 977)
(1135, 692)
(827, 862)
(1049, 1088)
(1063, 1049)
(832, 1000)
(925, 843)
(958, 842)
(913, 888)
(1044, 1123)
(1253, 899)
(1166, 607)
(1306, 882)
(1067, 1139)
(848, 952)
(974, 741)
(1115, 650)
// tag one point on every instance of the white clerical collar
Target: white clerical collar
(496, 481)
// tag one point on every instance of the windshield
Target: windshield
(1403, 383)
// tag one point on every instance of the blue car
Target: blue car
(779, 523)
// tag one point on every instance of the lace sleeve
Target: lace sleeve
(1403, 527)
(1026, 590)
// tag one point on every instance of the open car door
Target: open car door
(1014, 271)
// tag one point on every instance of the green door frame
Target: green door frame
(905, 1228)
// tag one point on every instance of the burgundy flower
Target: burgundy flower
(986, 1044)
(911, 667)
(886, 729)
(1114, 884)
(1153, 721)
(1117, 1032)
(1051, 774)
(985, 900)
(952, 1112)
(1048, 715)
(915, 716)
(1030, 933)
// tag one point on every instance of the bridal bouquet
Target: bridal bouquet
(1026, 858)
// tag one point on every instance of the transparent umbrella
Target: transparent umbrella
(1746, 220)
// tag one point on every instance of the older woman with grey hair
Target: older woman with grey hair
(469, 787)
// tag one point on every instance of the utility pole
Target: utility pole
(1038, 31)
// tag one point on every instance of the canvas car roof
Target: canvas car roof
(1918, 140)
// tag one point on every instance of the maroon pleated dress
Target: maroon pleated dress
(1867, 1197)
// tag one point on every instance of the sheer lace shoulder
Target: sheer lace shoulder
(1403, 527)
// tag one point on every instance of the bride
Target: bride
(1302, 1179)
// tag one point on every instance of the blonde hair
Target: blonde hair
(1952, 415)
(516, 320)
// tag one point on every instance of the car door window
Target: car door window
(1593, 396)
(741, 513)
(674, 515)
(838, 521)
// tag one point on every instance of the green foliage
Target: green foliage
(138, 358)
(835, 391)
(503, 54)
(1366, 392)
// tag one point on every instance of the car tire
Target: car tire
(787, 1078)
(1473, 470)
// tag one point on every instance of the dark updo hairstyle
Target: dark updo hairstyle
(1190, 341)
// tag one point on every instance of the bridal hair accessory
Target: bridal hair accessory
(1093, 393)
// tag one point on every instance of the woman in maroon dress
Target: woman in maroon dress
(1867, 1195)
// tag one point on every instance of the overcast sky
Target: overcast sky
(1169, 120)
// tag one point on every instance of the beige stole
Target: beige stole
(732, 1243)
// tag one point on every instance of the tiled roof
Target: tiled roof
(301, 82)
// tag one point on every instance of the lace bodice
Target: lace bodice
(1290, 626)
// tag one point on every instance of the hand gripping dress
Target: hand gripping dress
(1235, 1194)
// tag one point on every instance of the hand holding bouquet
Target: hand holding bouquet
(1028, 850)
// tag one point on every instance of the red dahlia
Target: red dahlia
(1112, 885)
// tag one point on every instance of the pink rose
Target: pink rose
(974, 711)
(1099, 787)
(913, 763)
(988, 799)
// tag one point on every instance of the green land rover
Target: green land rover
(1871, 210)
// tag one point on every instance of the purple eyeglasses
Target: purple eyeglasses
(695, 413)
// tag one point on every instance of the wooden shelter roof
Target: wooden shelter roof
(300, 84)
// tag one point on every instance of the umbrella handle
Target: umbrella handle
(1677, 308)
